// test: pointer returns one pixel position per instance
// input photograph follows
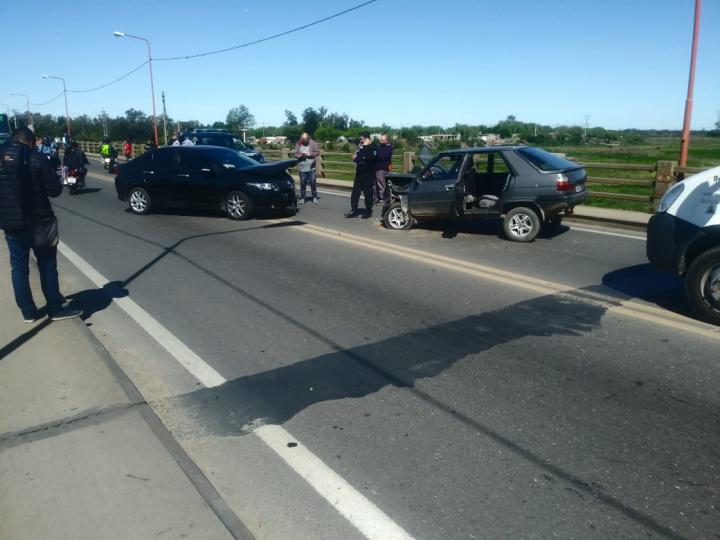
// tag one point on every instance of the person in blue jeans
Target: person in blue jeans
(27, 180)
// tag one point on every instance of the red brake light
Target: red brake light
(563, 183)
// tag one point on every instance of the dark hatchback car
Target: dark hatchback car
(221, 137)
(205, 177)
(530, 188)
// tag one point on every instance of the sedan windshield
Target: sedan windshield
(230, 159)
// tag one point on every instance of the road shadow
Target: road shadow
(277, 395)
(644, 282)
(258, 214)
(87, 191)
(90, 301)
(451, 228)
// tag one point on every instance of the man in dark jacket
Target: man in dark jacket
(364, 177)
(383, 163)
(26, 181)
(75, 158)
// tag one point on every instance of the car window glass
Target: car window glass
(480, 162)
(498, 164)
(164, 158)
(194, 160)
(545, 161)
(445, 167)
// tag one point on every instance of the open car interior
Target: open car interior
(484, 178)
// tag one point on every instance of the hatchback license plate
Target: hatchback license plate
(579, 187)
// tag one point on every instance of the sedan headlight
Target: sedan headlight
(671, 196)
(262, 185)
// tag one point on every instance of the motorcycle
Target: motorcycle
(74, 180)
(109, 163)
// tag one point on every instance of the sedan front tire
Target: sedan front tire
(139, 201)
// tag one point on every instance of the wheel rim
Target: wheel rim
(236, 205)
(397, 218)
(711, 287)
(521, 225)
(138, 201)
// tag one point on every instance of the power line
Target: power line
(268, 38)
(49, 101)
(111, 82)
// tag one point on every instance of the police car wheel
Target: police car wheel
(702, 286)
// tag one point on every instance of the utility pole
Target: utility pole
(587, 124)
(104, 123)
(685, 141)
(164, 117)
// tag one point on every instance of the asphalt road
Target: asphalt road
(463, 385)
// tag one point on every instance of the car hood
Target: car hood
(400, 182)
(269, 169)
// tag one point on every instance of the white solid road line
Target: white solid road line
(191, 361)
(367, 518)
(372, 522)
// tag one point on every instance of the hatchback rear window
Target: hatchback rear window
(545, 161)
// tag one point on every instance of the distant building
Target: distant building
(490, 139)
(275, 139)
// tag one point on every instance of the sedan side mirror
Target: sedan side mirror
(207, 171)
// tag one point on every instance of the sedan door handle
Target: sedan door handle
(184, 175)
(148, 172)
(450, 187)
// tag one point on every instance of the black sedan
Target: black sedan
(205, 177)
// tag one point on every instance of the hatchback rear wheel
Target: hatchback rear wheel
(238, 206)
(521, 224)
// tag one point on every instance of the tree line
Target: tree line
(328, 126)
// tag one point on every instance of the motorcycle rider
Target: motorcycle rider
(75, 158)
(107, 150)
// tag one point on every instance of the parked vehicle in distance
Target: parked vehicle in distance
(221, 137)
(205, 177)
(683, 237)
(530, 188)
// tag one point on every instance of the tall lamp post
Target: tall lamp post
(685, 141)
(27, 100)
(67, 114)
(152, 86)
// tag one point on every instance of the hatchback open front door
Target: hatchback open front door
(435, 191)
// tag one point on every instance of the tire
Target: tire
(238, 206)
(702, 286)
(396, 219)
(521, 224)
(73, 190)
(139, 201)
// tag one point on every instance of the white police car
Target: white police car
(684, 238)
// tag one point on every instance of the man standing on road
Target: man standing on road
(382, 168)
(26, 216)
(364, 177)
(306, 152)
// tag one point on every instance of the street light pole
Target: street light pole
(685, 140)
(152, 85)
(27, 100)
(67, 114)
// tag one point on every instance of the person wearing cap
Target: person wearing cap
(364, 177)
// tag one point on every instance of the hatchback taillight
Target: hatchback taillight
(563, 183)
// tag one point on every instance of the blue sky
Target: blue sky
(402, 62)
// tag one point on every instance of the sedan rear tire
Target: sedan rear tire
(521, 224)
(238, 206)
(139, 201)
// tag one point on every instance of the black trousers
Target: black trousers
(363, 183)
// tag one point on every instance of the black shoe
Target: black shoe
(65, 313)
(29, 319)
(366, 215)
(352, 214)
